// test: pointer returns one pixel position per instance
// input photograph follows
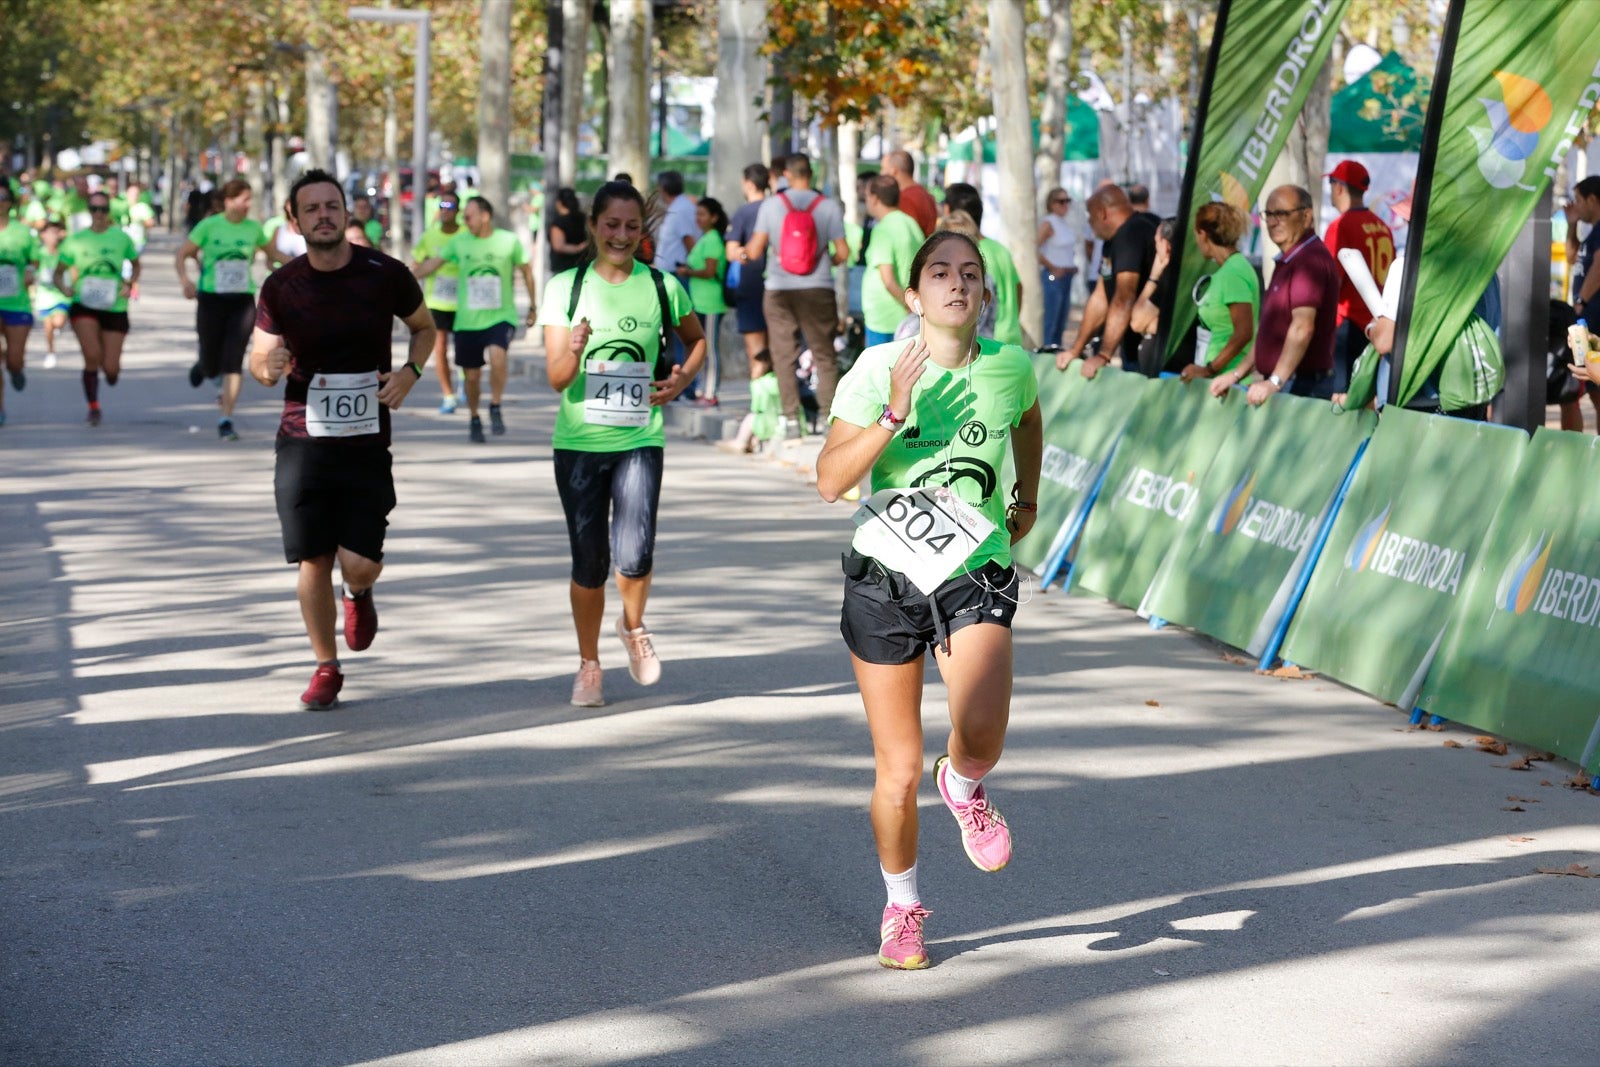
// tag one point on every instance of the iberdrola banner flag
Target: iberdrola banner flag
(1515, 85)
(1264, 56)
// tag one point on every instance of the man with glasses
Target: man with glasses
(99, 293)
(1293, 347)
(441, 291)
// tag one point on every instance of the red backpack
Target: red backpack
(797, 241)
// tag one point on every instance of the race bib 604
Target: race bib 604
(925, 534)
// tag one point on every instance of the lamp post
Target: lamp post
(419, 121)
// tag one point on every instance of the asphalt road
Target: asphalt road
(456, 867)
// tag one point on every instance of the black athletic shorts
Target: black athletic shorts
(332, 496)
(224, 322)
(472, 346)
(888, 620)
(443, 321)
(110, 321)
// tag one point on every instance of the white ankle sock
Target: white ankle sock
(902, 887)
(960, 789)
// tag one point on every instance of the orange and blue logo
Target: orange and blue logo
(1520, 585)
(1515, 122)
(1367, 541)
(1231, 508)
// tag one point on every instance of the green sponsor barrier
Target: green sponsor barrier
(1522, 655)
(1401, 549)
(1152, 486)
(1233, 569)
(1082, 420)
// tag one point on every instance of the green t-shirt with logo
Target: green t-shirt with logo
(439, 289)
(227, 253)
(999, 265)
(19, 250)
(45, 293)
(1234, 282)
(895, 240)
(957, 432)
(625, 320)
(706, 293)
(98, 256)
(487, 267)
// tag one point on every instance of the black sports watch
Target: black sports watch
(415, 369)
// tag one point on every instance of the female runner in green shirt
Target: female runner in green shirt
(610, 434)
(936, 414)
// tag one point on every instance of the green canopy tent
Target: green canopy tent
(1381, 111)
(1082, 140)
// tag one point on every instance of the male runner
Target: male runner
(324, 320)
(442, 291)
(486, 308)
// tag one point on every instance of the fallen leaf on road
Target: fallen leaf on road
(1152, 703)
(1436, 727)
(1546, 781)
(1514, 808)
(1288, 670)
(1578, 781)
(1576, 870)
(1521, 763)
(1515, 840)
(1164, 974)
(1452, 744)
(1491, 746)
(1521, 800)
(1231, 658)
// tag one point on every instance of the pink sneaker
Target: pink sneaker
(586, 691)
(643, 663)
(902, 947)
(984, 833)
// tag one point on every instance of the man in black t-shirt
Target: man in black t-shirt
(324, 321)
(1130, 248)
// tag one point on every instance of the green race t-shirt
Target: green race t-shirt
(999, 265)
(440, 289)
(487, 267)
(895, 240)
(19, 250)
(958, 429)
(374, 231)
(1233, 283)
(624, 319)
(706, 293)
(45, 294)
(98, 256)
(227, 253)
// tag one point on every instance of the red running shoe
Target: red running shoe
(323, 693)
(360, 621)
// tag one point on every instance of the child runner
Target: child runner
(49, 306)
(931, 418)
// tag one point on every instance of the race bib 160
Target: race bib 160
(342, 405)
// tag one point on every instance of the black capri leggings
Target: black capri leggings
(224, 322)
(624, 486)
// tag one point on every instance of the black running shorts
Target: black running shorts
(110, 321)
(224, 322)
(443, 321)
(888, 620)
(332, 496)
(472, 346)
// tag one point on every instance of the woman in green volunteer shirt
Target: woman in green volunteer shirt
(94, 259)
(604, 334)
(1230, 301)
(705, 267)
(19, 263)
(225, 246)
(932, 419)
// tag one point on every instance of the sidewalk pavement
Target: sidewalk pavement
(456, 867)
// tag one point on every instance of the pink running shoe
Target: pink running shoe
(984, 833)
(643, 663)
(586, 687)
(902, 947)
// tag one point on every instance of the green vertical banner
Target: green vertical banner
(1515, 87)
(1394, 568)
(1268, 54)
(1152, 486)
(1522, 656)
(1082, 421)
(1233, 569)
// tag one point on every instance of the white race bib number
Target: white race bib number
(925, 534)
(444, 289)
(98, 293)
(10, 281)
(342, 405)
(483, 293)
(616, 394)
(1202, 344)
(231, 276)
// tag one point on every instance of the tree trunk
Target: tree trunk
(781, 138)
(738, 139)
(320, 146)
(391, 167)
(550, 135)
(494, 107)
(629, 125)
(1014, 150)
(1053, 115)
(255, 139)
(574, 62)
(280, 148)
(849, 148)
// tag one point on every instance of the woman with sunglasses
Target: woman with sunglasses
(95, 258)
(932, 420)
(1058, 265)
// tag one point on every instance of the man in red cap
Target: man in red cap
(1360, 229)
